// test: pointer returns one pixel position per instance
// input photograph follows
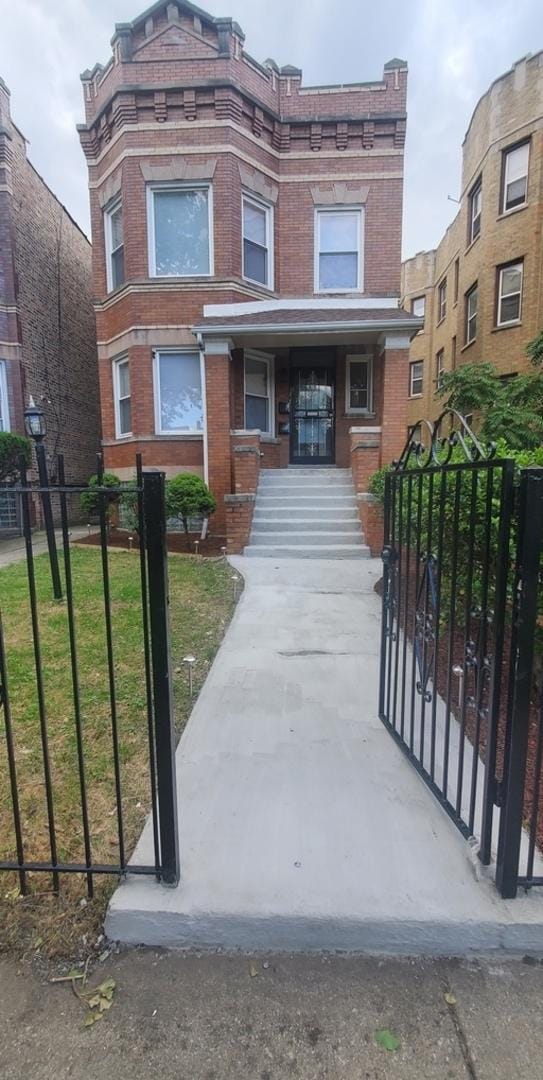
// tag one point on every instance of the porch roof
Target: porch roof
(301, 320)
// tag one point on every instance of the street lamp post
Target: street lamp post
(36, 430)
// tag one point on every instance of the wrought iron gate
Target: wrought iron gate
(448, 507)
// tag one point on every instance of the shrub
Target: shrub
(13, 448)
(187, 496)
(89, 498)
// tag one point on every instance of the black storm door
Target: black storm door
(312, 414)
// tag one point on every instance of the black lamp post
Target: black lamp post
(36, 430)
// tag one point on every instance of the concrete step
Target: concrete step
(309, 513)
(326, 498)
(299, 524)
(304, 489)
(304, 537)
(309, 551)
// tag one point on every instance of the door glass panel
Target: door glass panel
(313, 416)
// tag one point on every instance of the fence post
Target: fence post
(157, 569)
(530, 533)
(386, 556)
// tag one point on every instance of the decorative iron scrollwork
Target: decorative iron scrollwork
(429, 444)
(425, 625)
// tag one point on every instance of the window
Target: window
(358, 384)
(456, 279)
(442, 300)
(257, 241)
(509, 293)
(471, 314)
(515, 177)
(180, 231)
(440, 366)
(258, 393)
(4, 409)
(179, 408)
(338, 251)
(475, 203)
(113, 220)
(416, 369)
(453, 353)
(418, 306)
(123, 403)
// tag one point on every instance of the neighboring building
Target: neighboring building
(246, 241)
(47, 330)
(481, 290)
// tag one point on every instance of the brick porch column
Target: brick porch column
(218, 425)
(395, 362)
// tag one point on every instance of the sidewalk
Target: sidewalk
(302, 825)
(13, 550)
(307, 1018)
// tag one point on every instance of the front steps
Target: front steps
(306, 513)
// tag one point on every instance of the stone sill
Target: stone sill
(507, 326)
(233, 500)
(152, 438)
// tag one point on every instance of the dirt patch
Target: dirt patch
(210, 548)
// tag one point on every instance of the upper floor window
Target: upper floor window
(471, 314)
(515, 177)
(416, 372)
(122, 397)
(338, 250)
(442, 300)
(180, 231)
(257, 241)
(178, 393)
(358, 384)
(509, 300)
(440, 367)
(4, 408)
(456, 280)
(475, 204)
(453, 353)
(258, 393)
(418, 306)
(113, 222)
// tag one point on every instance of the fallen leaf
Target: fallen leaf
(253, 969)
(387, 1039)
(91, 1018)
(450, 998)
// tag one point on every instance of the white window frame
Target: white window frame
(189, 432)
(175, 186)
(270, 362)
(358, 358)
(440, 366)
(334, 209)
(442, 300)
(510, 266)
(4, 403)
(117, 397)
(268, 208)
(475, 193)
(469, 318)
(412, 366)
(108, 214)
(506, 158)
(415, 300)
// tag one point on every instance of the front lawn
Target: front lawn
(200, 607)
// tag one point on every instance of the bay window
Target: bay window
(113, 222)
(257, 241)
(259, 393)
(179, 408)
(122, 397)
(180, 230)
(338, 250)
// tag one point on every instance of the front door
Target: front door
(312, 413)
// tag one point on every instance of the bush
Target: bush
(89, 498)
(13, 448)
(186, 497)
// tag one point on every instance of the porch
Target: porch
(301, 384)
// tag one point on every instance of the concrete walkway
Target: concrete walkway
(302, 826)
(13, 550)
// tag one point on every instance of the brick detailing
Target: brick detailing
(239, 511)
(371, 517)
(246, 456)
(394, 414)
(365, 457)
(218, 399)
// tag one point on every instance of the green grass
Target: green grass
(200, 607)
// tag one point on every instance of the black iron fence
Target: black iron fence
(460, 636)
(147, 493)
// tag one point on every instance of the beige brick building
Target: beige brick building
(482, 287)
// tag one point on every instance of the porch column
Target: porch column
(395, 363)
(218, 424)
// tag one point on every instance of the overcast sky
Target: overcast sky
(454, 50)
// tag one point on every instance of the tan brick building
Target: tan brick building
(482, 288)
(246, 239)
(47, 329)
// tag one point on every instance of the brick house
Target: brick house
(47, 329)
(246, 258)
(480, 290)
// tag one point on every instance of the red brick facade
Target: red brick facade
(180, 102)
(47, 329)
